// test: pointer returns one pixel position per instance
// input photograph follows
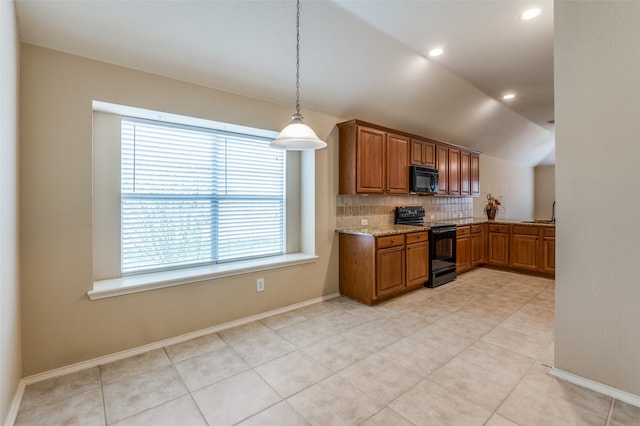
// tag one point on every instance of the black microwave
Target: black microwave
(423, 180)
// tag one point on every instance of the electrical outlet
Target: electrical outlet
(259, 285)
(432, 217)
(364, 222)
(460, 214)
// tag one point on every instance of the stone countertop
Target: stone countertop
(381, 230)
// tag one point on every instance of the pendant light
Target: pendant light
(297, 136)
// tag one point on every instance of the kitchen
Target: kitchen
(56, 92)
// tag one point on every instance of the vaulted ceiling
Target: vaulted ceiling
(359, 59)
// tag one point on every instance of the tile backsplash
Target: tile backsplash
(380, 209)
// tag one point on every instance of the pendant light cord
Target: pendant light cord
(298, 60)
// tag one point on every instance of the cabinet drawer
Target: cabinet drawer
(463, 230)
(417, 237)
(390, 241)
(476, 229)
(525, 230)
(549, 232)
(503, 229)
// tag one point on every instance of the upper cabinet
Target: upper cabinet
(423, 153)
(372, 161)
(375, 160)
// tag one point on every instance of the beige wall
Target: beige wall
(545, 191)
(597, 101)
(511, 180)
(61, 326)
(10, 363)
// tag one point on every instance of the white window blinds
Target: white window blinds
(193, 196)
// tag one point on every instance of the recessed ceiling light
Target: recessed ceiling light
(509, 96)
(530, 14)
(436, 52)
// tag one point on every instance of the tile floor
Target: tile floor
(473, 352)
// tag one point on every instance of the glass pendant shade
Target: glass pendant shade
(297, 136)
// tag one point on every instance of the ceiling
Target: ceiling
(359, 59)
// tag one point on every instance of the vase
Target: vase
(491, 212)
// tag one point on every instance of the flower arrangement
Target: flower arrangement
(492, 206)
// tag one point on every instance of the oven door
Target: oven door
(442, 242)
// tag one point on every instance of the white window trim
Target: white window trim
(155, 280)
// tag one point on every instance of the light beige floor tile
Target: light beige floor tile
(134, 394)
(428, 403)
(135, 365)
(49, 391)
(341, 320)
(250, 330)
(380, 378)
(430, 313)
(262, 348)
(408, 323)
(194, 347)
(180, 411)
(284, 319)
(234, 399)
(476, 384)
(416, 356)
(625, 414)
(387, 417)
(443, 339)
(498, 420)
(499, 360)
(79, 409)
(488, 313)
(280, 414)
(540, 398)
(466, 323)
(208, 368)
(338, 352)
(316, 309)
(307, 332)
(374, 335)
(334, 401)
(516, 341)
(292, 373)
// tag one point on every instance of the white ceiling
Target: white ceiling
(359, 59)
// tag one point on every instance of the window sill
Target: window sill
(145, 282)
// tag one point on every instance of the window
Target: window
(193, 196)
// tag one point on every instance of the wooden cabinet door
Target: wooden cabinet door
(397, 164)
(370, 160)
(423, 153)
(417, 264)
(498, 249)
(524, 252)
(475, 174)
(478, 244)
(390, 271)
(442, 154)
(465, 173)
(463, 253)
(548, 261)
(454, 171)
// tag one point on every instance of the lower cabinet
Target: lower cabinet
(525, 247)
(498, 245)
(373, 269)
(463, 249)
(548, 251)
(417, 258)
(478, 244)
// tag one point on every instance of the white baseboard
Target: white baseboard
(614, 393)
(74, 368)
(12, 415)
